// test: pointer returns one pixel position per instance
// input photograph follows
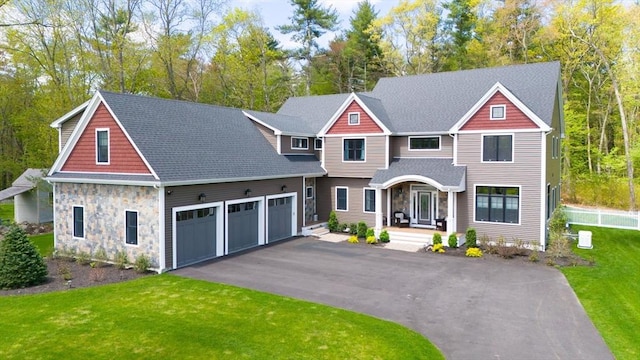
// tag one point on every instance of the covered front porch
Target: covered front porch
(418, 193)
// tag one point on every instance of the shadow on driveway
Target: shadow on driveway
(482, 308)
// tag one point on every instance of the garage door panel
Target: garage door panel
(195, 235)
(242, 223)
(280, 218)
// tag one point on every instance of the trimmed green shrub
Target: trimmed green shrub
(142, 263)
(362, 229)
(342, 227)
(437, 238)
(353, 239)
(453, 241)
(370, 232)
(384, 236)
(371, 239)
(470, 238)
(353, 229)
(21, 264)
(333, 221)
(121, 259)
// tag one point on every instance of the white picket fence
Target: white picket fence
(603, 218)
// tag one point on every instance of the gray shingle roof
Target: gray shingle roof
(435, 102)
(25, 182)
(376, 107)
(441, 171)
(285, 123)
(314, 110)
(188, 142)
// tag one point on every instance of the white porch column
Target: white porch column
(451, 213)
(389, 209)
(378, 227)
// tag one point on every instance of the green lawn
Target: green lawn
(43, 242)
(6, 212)
(166, 316)
(610, 290)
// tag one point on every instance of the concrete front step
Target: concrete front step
(319, 231)
(412, 238)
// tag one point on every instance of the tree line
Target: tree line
(55, 53)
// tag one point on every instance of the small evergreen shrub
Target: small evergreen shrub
(453, 241)
(473, 252)
(121, 259)
(332, 223)
(21, 264)
(384, 236)
(370, 232)
(437, 238)
(470, 238)
(353, 239)
(342, 227)
(439, 248)
(371, 239)
(353, 229)
(362, 229)
(142, 264)
(558, 221)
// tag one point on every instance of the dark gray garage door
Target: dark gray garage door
(195, 235)
(279, 222)
(242, 222)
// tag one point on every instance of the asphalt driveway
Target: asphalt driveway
(470, 308)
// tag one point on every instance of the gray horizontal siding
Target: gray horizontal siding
(327, 200)
(268, 134)
(67, 128)
(525, 172)
(285, 145)
(188, 195)
(375, 157)
(400, 148)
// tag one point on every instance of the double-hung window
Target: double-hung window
(102, 146)
(498, 204)
(497, 148)
(131, 225)
(342, 198)
(354, 150)
(369, 200)
(78, 222)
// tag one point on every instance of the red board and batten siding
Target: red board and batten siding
(366, 126)
(123, 158)
(515, 118)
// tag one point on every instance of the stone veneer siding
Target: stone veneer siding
(309, 204)
(401, 199)
(104, 219)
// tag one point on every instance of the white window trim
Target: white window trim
(349, 118)
(364, 139)
(220, 225)
(475, 187)
(108, 146)
(424, 137)
(306, 192)
(513, 148)
(336, 197)
(299, 138)
(73, 223)
(364, 200)
(315, 143)
(504, 112)
(137, 227)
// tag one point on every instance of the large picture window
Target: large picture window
(342, 198)
(424, 143)
(369, 200)
(102, 146)
(497, 148)
(498, 204)
(353, 150)
(131, 223)
(78, 222)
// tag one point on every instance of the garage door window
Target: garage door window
(131, 221)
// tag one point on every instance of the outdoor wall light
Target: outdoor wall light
(202, 197)
(283, 188)
(169, 192)
(247, 192)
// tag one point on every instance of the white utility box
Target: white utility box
(584, 239)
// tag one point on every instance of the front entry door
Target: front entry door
(421, 210)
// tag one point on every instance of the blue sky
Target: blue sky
(277, 12)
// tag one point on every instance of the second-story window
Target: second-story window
(354, 118)
(353, 150)
(498, 112)
(102, 146)
(497, 148)
(299, 143)
(424, 143)
(318, 144)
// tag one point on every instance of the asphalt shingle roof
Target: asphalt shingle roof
(285, 123)
(313, 110)
(185, 141)
(440, 170)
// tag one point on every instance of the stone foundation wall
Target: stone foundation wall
(104, 219)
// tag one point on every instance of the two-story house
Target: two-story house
(184, 182)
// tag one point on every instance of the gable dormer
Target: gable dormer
(354, 120)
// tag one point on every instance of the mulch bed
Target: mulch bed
(81, 276)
